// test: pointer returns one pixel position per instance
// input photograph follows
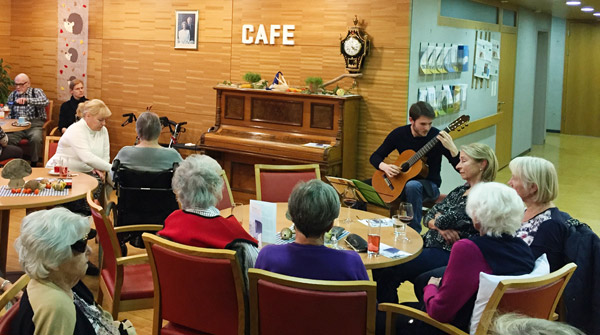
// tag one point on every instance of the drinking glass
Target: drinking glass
(349, 199)
(404, 217)
(374, 238)
(237, 210)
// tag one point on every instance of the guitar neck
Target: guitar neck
(425, 149)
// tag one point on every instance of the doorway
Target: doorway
(538, 131)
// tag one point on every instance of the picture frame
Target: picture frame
(186, 29)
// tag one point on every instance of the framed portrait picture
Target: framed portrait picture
(186, 29)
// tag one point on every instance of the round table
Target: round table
(7, 125)
(414, 246)
(82, 183)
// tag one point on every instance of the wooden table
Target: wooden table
(82, 183)
(7, 125)
(414, 246)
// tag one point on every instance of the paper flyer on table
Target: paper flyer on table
(391, 252)
(263, 221)
(385, 222)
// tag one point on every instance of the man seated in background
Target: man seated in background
(312, 207)
(29, 103)
(68, 110)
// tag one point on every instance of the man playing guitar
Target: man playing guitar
(413, 137)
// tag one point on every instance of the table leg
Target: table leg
(4, 224)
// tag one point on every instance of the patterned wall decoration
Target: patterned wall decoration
(72, 51)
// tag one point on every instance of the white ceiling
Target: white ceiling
(559, 8)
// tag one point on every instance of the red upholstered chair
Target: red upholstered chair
(535, 297)
(125, 281)
(275, 183)
(282, 304)
(227, 200)
(8, 295)
(50, 146)
(198, 290)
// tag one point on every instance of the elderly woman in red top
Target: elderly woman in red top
(198, 185)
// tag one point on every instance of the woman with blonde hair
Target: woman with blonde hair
(543, 227)
(85, 146)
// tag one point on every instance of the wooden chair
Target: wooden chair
(198, 290)
(227, 200)
(50, 146)
(8, 317)
(24, 143)
(275, 183)
(282, 304)
(125, 281)
(535, 297)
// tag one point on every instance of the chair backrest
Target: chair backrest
(282, 304)
(16, 287)
(275, 183)
(144, 197)
(7, 318)
(197, 288)
(535, 297)
(106, 235)
(50, 146)
(227, 200)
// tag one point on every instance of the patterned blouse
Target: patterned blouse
(453, 216)
(530, 227)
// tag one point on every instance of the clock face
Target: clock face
(352, 46)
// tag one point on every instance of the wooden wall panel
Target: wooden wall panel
(155, 20)
(132, 63)
(5, 29)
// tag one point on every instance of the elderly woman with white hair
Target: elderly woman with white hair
(148, 155)
(198, 185)
(496, 211)
(312, 207)
(544, 227)
(53, 251)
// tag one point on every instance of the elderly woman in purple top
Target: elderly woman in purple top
(312, 206)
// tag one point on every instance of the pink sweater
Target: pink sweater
(460, 282)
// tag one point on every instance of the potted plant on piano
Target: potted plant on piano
(254, 81)
(314, 84)
(5, 82)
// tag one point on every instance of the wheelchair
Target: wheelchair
(144, 197)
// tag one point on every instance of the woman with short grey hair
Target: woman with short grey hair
(543, 226)
(148, 155)
(198, 186)
(53, 251)
(496, 211)
(312, 206)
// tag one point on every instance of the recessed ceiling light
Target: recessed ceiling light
(573, 3)
(597, 14)
(587, 9)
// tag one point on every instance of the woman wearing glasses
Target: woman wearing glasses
(53, 251)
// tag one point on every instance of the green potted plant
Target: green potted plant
(5, 82)
(314, 83)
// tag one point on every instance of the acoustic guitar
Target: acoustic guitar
(411, 165)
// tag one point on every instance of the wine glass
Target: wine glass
(404, 217)
(349, 199)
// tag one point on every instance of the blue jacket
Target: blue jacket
(582, 294)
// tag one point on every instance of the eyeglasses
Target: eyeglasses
(21, 84)
(81, 245)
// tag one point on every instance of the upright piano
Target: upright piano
(269, 127)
